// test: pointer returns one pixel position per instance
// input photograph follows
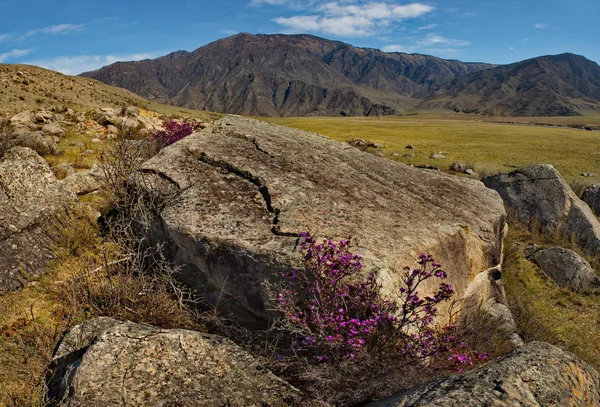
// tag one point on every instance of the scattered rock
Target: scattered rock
(537, 374)
(438, 157)
(461, 167)
(88, 152)
(539, 195)
(43, 116)
(23, 119)
(410, 147)
(30, 196)
(568, 269)
(105, 362)
(588, 174)
(469, 171)
(112, 129)
(409, 155)
(429, 167)
(53, 129)
(39, 142)
(394, 154)
(363, 144)
(591, 196)
(246, 188)
(96, 140)
(63, 170)
(82, 183)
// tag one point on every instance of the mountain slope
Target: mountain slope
(285, 75)
(557, 85)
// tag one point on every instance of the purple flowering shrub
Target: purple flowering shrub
(337, 314)
(172, 131)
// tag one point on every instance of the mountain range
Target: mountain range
(302, 75)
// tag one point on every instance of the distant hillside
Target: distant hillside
(25, 87)
(558, 85)
(285, 75)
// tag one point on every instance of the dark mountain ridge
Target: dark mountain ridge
(301, 75)
(284, 75)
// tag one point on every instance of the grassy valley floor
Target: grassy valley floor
(490, 147)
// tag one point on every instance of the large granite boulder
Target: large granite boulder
(565, 267)
(539, 196)
(30, 195)
(245, 189)
(110, 363)
(535, 375)
(591, 196)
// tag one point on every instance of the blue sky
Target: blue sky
(75, 36)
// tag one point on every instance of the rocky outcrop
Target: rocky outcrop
(591, 196)
(30, 195)
(535, 375)
(106, 362)
(245, 189)
(568, 269)
(538, 195)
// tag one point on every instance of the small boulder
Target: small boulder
(106, 362)
(538, 195)
(591, 196)
(565, 267)
(438, 157)
(23, 119)
(469, 171)
(462, 167)
(39, 142)
(63, 170)
(53, 129)
(363, 144)
(410, 147)
(534, 375)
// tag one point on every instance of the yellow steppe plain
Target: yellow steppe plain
(490, 147)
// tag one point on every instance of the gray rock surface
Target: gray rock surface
(535, 375)
(82, 183)
(53, 129)
(538, 195)
(30, 195)
(37, 141)
(245, 189)
(128, 364)
(568, 269)
(591, 196)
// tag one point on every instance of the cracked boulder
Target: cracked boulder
(565, 267)
(30, 197)
(245, 189)
(535, 375)
(539, 196)
(105, 362)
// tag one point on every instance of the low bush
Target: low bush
(173, 131)
(338, 325)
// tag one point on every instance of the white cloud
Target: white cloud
(74, 65)
(429, 43)
(428, 27)
(541, 26)
(59, 29)
(511, 48)
(352, 19)
(397, 48)
(434, 39)
(4, 37)
(14, 53)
